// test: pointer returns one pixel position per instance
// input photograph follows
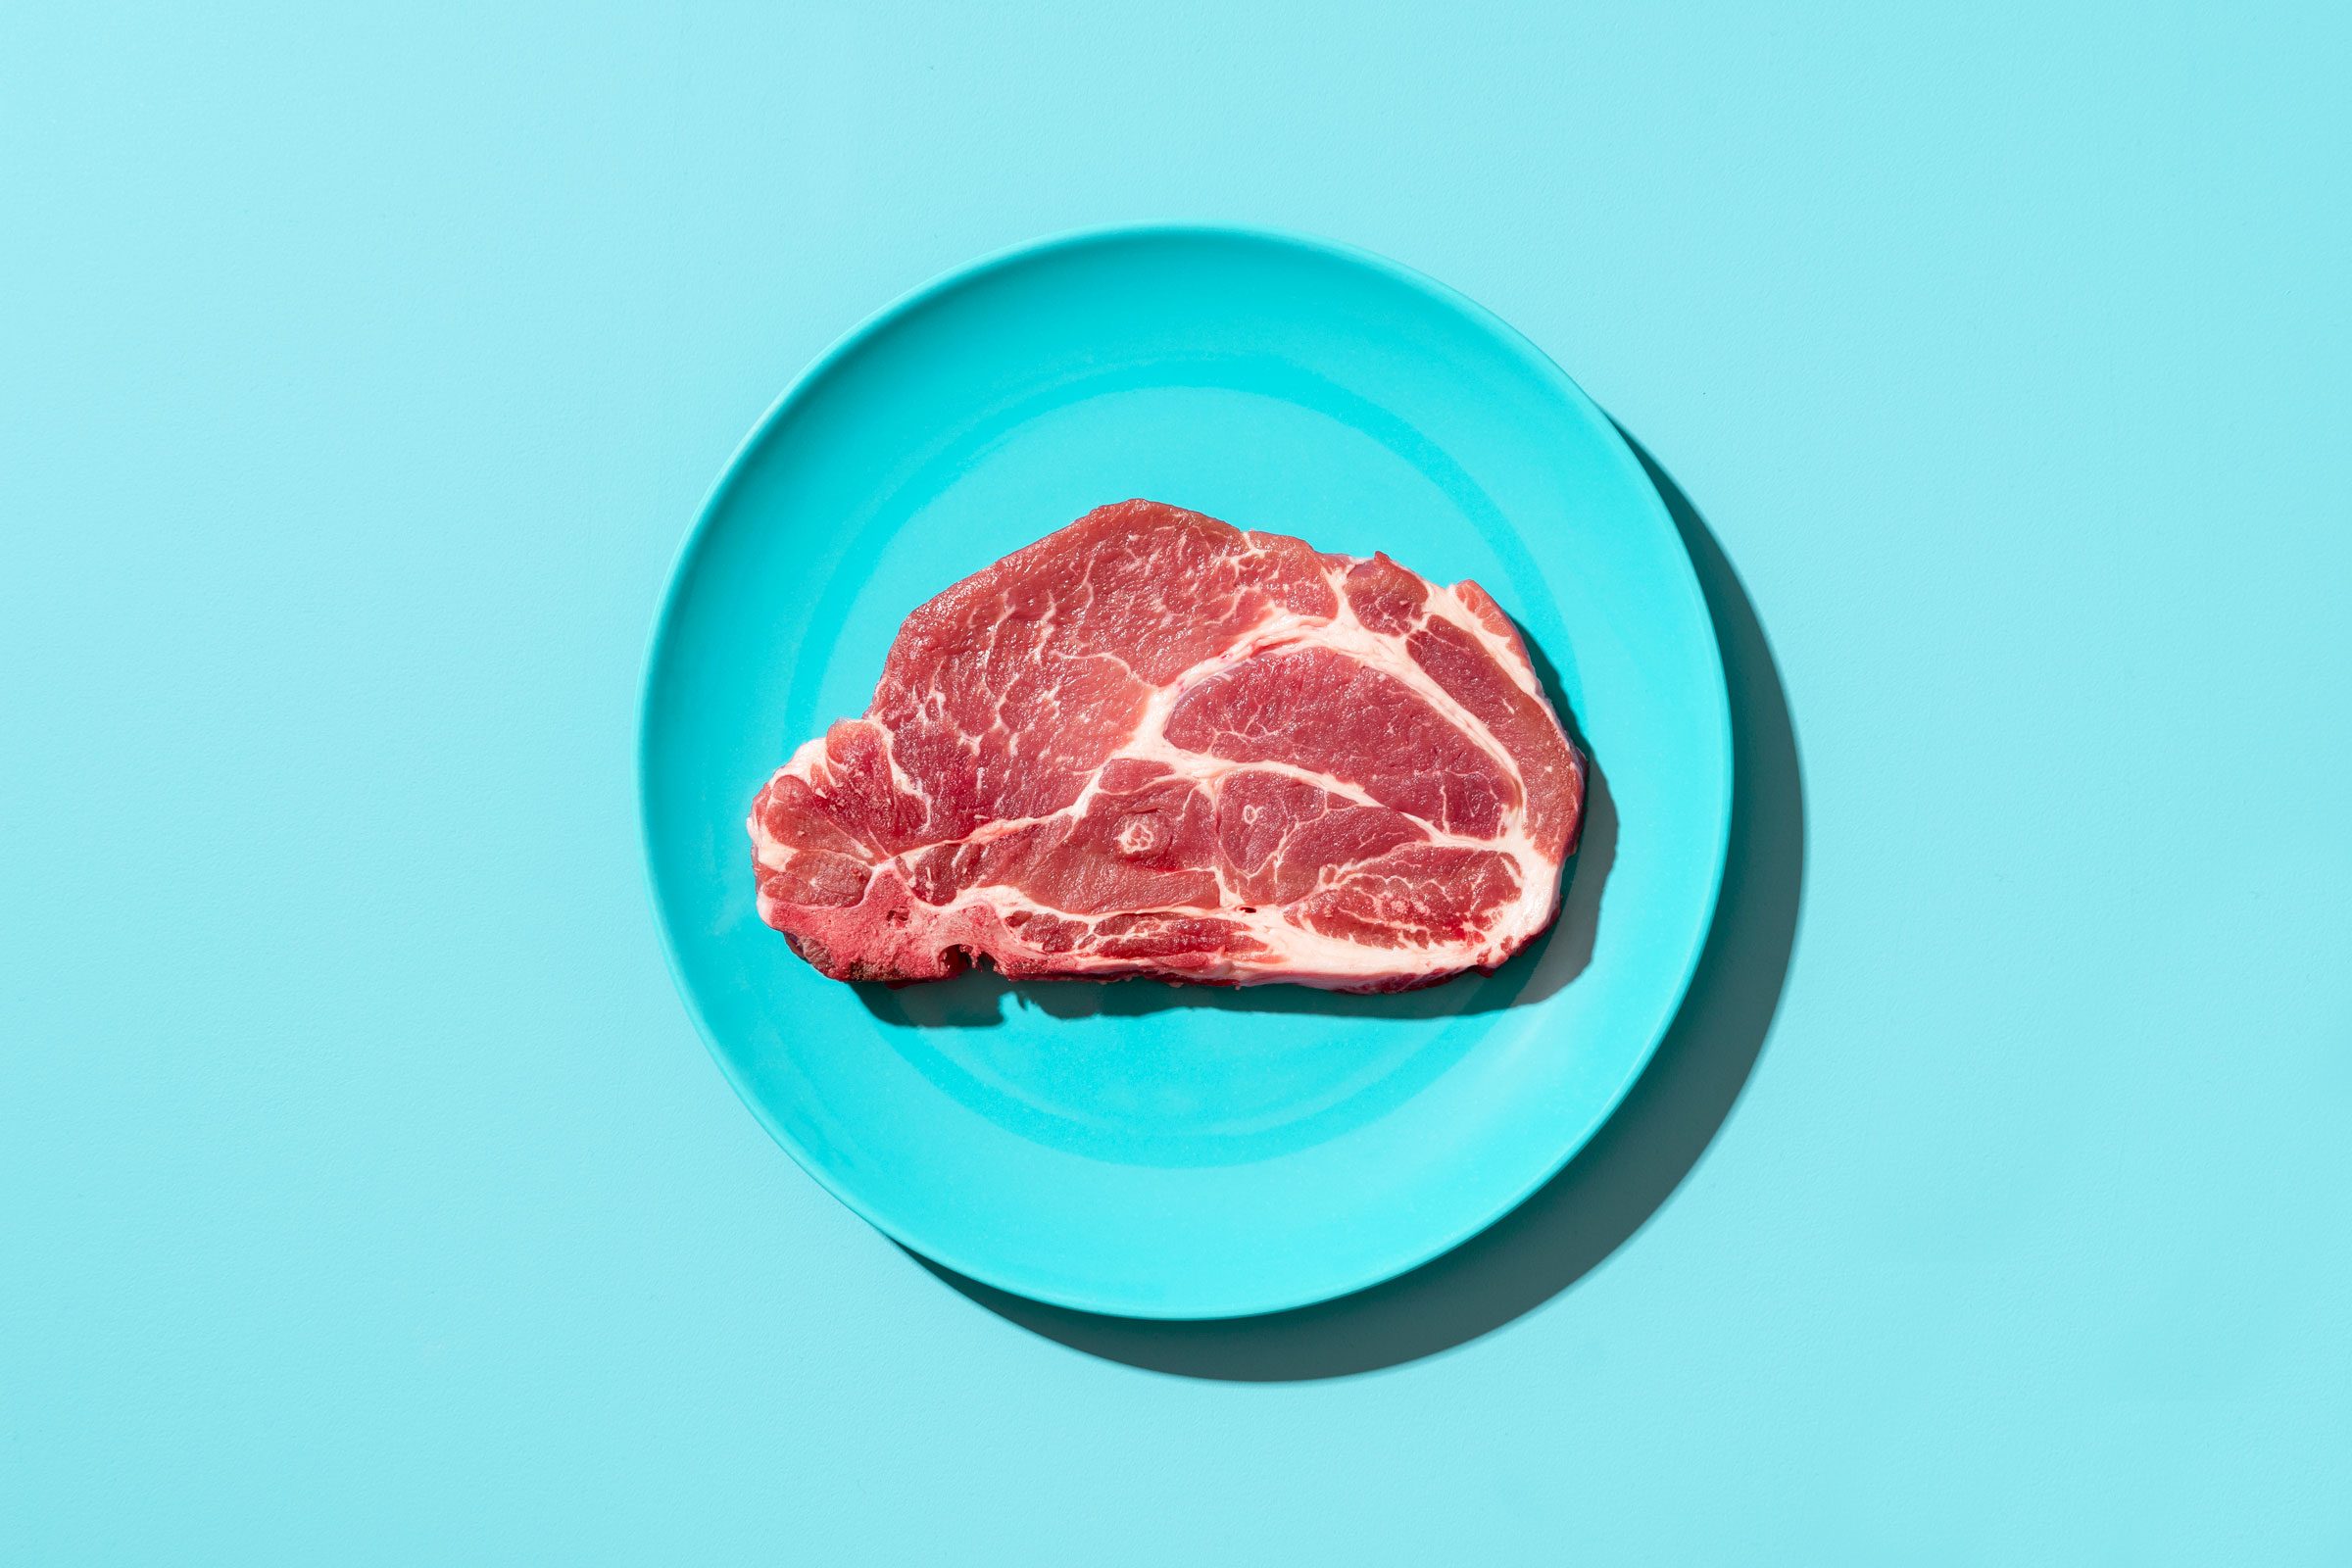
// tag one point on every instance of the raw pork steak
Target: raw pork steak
(1152, 743)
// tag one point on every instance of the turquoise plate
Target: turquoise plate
(1140, 1149)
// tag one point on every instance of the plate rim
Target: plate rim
(730, 473)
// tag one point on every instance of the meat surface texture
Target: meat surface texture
(1154, 744)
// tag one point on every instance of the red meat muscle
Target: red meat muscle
(1154, 744)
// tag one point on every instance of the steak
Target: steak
(1154, 744)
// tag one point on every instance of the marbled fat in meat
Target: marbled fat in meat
(1154, 744)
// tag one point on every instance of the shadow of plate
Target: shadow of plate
(1630, 1168)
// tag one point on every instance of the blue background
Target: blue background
(368, 1196)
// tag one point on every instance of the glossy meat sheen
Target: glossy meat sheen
(1152, 744)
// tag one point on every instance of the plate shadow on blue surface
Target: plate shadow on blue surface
(1631, 1168)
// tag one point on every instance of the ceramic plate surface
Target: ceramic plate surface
(1136, 1148)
